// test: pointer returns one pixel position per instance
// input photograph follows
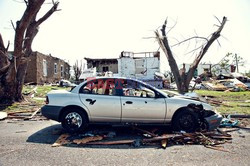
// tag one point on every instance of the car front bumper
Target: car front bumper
(51, 112)
(213, 121)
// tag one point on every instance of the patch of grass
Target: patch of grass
(235, 102)
(228, 96)
(31, 104)
(41, 90)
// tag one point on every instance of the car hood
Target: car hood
(186, 97)
(189, 100)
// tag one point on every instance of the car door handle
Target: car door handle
(88, 100)
(91, 101)
(129, 102)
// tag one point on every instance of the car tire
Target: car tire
(185, 120)
(74, 120)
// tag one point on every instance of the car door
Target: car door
(99, 96)
(140, 104)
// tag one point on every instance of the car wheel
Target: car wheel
(185, 121)
(74, 120)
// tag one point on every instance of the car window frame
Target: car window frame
(104, 84)
(157, 94)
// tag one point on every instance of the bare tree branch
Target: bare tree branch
(218, 20)
(203, 51)
(194, 37)
(32, 29)
(13, 25)
(2, 47)
(26, 2)
(197, 48)
(218, 42)
(7, 48)
(148, 38)
(49, 13)
(22, 25)
(172, 27)
(17, 1)
(182, 78)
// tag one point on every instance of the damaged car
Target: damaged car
(117, 100)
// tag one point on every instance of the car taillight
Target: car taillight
(47, 100)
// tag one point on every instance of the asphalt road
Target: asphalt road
(29, 143)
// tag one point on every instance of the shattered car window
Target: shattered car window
(132, 88)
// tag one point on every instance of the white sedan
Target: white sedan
(117, 100)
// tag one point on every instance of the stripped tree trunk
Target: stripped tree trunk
(183, 78)
(13, 67)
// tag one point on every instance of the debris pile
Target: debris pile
(212, 139)
(24, 115)
(227, 84)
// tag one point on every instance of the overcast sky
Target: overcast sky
(104, 28)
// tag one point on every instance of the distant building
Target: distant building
(46, 69)
(103, 65)
(142, 65)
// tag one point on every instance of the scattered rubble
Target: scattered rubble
(157, 137)
(228, 122)
(25, 115)
(212, 139)
(216, 86)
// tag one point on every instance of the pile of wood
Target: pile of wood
(25, 115)
(212, 139)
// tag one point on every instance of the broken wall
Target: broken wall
(141, 68)
(103, 65)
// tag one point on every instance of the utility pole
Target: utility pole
(236, 62)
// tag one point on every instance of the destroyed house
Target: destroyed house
(142, 65)
(46, 69)
(103, 65)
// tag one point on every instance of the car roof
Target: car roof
(76, 89)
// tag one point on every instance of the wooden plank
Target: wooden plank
(34, 113)
(87, 139)
(111, 142)
(164, 142)
(145, 131)
(62, 140)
